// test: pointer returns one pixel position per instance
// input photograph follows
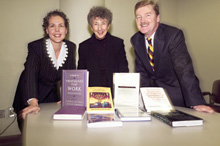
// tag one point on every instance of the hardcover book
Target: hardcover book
(74, 91)
(127, 99)
(100, 108)
(74, 87)
(157, 102)
(70, 113)
(177, 118)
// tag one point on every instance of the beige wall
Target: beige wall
(21, 23)
(201, 24)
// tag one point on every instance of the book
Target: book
(100, 108)
(177, 118)
(74, 87)
(103, 120)
(99, 100)
(127, 99)
(157, 102)
(74, 92)
(70, 113)
(155, 98)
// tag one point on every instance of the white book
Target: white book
(127, 99)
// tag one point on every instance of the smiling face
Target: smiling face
(147, 21)
(56, 30)
(100, 27)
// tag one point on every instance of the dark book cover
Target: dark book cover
(74, 87)
(177, 118)
(70, 113)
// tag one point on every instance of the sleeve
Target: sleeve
(31, 74)
(82, 58)
(183, 67)
(123, 63)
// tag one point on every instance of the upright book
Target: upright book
(100, 108)
(74, 92)
(157, 102)
(127, 101)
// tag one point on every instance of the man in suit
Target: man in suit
(171, 66)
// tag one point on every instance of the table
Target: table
(41, 130)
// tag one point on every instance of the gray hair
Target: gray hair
(101, 12)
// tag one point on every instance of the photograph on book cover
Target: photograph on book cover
(99, 100)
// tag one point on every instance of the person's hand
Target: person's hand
(59, 102)
(33, 107)
(203, 108)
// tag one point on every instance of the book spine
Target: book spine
(162, 118)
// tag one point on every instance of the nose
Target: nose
(57, 28)
(99, 27)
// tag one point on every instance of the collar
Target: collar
(57, 63)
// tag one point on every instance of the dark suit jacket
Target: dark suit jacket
(173, 66)
(115, 59)
(39, 78)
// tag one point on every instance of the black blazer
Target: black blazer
(39, 78)
(173, 66)
(115, 59)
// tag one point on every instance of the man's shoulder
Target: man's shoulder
(167, 28)
(137, 36)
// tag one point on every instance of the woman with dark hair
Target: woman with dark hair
(46, 59)
(102, 54)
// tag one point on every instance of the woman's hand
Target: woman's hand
(33, 107)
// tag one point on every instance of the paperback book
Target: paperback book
(100, 108)
(127, 100)
(74, 91)
(157, 102)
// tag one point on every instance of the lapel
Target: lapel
(141, 45)
(158, 47)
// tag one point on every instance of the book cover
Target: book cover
(70, 113)
(177, 118)
(103, 120)
(99, 100)
(127, 97)
(155, 99)
(74, 89)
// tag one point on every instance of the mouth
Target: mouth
(100, 33)
(144, 24)
(57, 35)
